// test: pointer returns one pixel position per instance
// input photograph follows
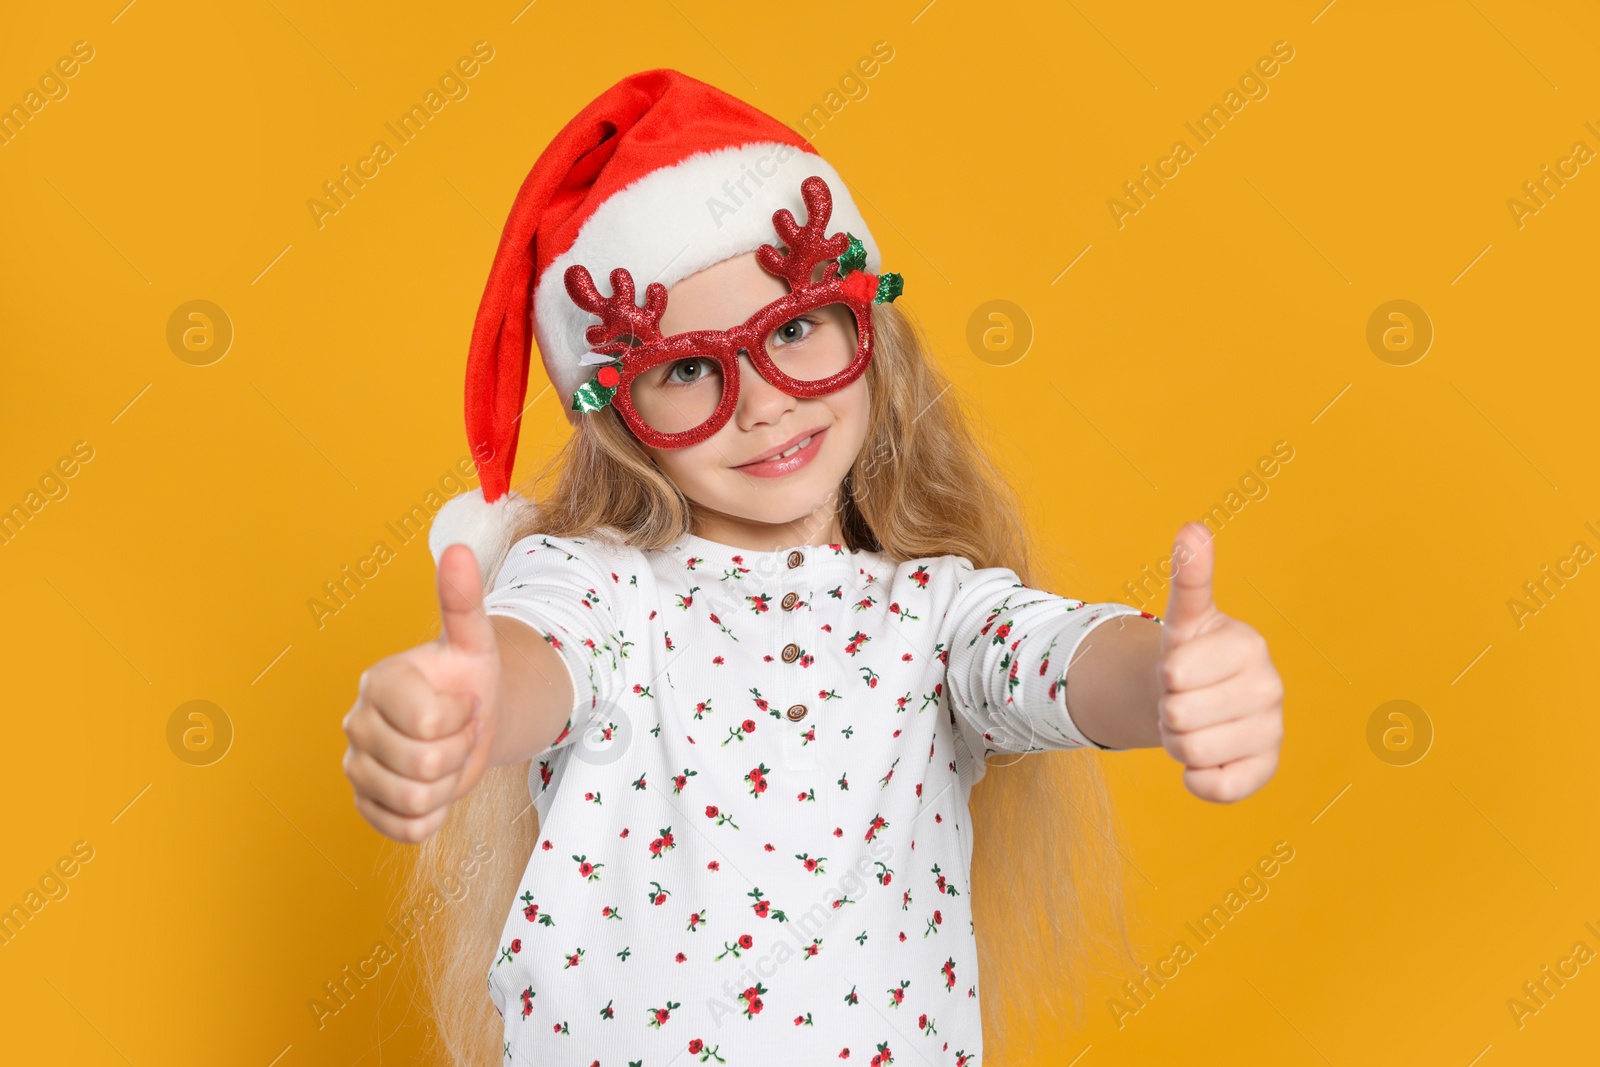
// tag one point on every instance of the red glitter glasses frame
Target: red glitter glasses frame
(632, 335)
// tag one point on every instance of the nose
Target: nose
(759, 400)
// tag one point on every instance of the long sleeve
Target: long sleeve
(560, 587)
(1009, 647)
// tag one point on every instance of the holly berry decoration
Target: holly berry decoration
(597, 392)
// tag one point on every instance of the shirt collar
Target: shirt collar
(793, 561)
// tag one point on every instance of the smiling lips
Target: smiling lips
(794, 455)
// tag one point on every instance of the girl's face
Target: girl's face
(740, 500)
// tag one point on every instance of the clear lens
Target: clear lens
(678, 396)
(815, 344)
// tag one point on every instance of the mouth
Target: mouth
(787, 458)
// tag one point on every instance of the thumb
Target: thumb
(1189, 605)
(465, 627)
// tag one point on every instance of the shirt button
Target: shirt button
(796, 712)
(796, 558)
(789, 600)
(791, 652)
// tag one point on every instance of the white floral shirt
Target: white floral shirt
(754, 844)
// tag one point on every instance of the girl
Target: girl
(755, 645)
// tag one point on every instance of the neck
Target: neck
(815, 528)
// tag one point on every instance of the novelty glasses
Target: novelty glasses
(678, 390)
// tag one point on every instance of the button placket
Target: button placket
(798, 715)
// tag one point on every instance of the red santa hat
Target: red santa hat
(662, 174)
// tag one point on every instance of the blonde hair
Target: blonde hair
(1057, 880)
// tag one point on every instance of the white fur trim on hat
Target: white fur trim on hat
(485, 528)
(673, 222)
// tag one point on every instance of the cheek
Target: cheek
(852, 404)
(691, 466)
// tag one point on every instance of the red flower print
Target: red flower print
(516, 944)
(711, 811)
(662, 843)
(811, 863)
(661, 1015)
(745, 941)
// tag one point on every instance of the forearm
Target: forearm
(536, 693)
(1113, 683)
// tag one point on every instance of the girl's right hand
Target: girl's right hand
(424, 719)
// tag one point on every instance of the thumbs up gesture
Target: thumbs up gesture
(424, 719)
(1221, 712)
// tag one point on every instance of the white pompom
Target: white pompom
(485, 528)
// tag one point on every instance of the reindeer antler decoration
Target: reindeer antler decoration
(620, 316)
(807, 245)
(623, 325)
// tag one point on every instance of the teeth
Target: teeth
(792, 451)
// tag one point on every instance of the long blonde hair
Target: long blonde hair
(1056, 881)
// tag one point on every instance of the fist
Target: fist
(424, 719)
(1221, 709)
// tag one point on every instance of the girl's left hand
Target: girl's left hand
(1221, 714)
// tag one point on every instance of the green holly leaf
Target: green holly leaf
(889, 286)
(592, 396)
(855, 256)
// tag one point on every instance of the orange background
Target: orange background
(1228, 313)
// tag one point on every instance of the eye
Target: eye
(794, 330)
(691, 370)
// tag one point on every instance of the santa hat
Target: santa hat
(661, 174)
